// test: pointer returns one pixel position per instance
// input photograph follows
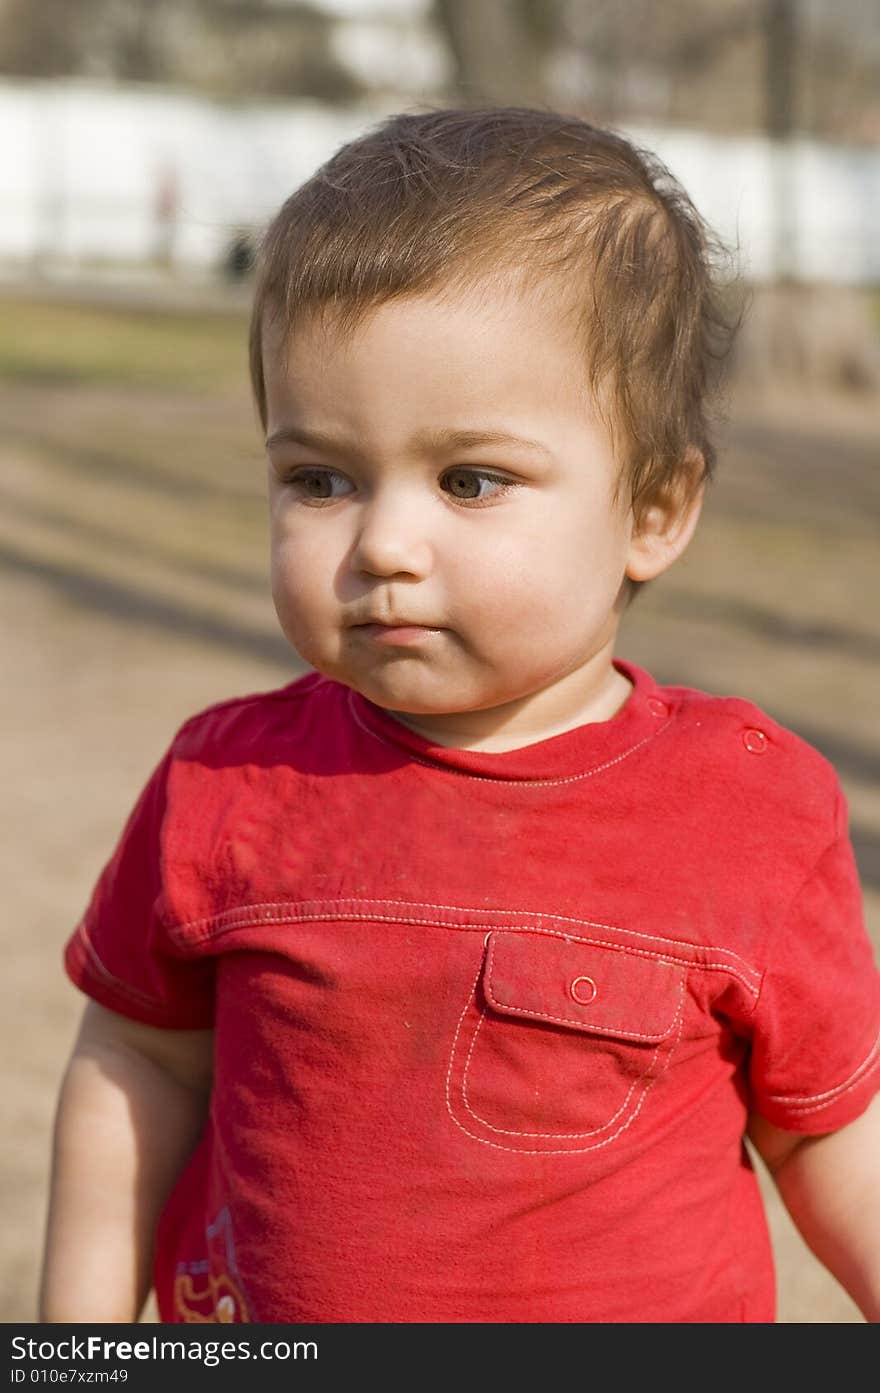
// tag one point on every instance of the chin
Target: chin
(401, 697)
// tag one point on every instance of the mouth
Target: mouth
(400, 633)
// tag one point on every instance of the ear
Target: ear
(667, 524)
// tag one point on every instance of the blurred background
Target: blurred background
(144, 145)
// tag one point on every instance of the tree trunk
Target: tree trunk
(498, 53)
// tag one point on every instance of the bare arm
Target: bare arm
(132, 1104)
(831, 1188)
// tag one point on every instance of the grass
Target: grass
(180, 352)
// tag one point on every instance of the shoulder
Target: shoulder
(746, 758)
(251, 726)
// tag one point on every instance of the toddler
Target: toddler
(445, 983)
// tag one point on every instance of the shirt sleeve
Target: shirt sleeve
(120, 954)
(815, 1057)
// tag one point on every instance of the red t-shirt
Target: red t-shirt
(488, 1026)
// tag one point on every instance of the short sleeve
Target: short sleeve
(120, 954)
(815, 1057)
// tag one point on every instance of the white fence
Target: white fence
(92, 174)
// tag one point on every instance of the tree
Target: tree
(500, 48)
(38, 40)
(228, 48)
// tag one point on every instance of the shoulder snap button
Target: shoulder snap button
(657, 707)
(755, 741)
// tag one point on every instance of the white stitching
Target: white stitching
(512, 1132)
(571, 1020)
(487, 778)
(561, 919)
(479, 928)
(815, 1102)
(466, 909)
(562, 1151)
(467, 1003)
(561, 1136)
(229, 920)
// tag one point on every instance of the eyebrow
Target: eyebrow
(428, 442)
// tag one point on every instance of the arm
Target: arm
(132, 1104)
(831, 1188)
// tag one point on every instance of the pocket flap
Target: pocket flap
(609, 991)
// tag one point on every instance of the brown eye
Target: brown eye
(463, 484)
(467, 484)
(317, 485)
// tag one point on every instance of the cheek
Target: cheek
(546, 563)
(300, 553)
(552, 579)
(301, 579)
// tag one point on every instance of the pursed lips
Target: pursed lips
(393, 624)
(398, 634)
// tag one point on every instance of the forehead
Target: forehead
(501, 336)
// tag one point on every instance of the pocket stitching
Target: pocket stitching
(561, 1136)
(572, 1020)
(648, 1080)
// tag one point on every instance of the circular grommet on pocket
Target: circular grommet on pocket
(584, 990)
(755, 741)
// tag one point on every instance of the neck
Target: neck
(595, 691)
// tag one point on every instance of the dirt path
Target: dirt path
(134, 583)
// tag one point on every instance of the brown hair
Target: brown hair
(447, 197)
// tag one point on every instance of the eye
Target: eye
(466, 484)
(316, 485)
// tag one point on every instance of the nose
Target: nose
(393, 536)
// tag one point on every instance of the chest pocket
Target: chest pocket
(560, 1041)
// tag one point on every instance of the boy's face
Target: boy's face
(508, 557)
